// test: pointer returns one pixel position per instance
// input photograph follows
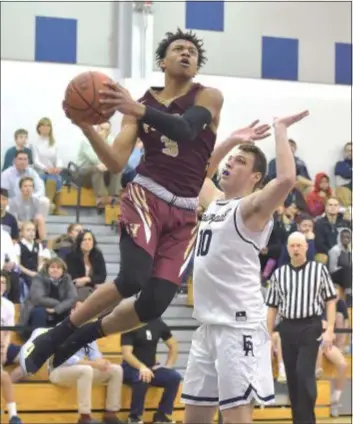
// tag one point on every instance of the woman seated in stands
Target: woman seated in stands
(86, 264)
(51, 296)
(30, 255)
(7, 319)
(48, 164)
(64, 243)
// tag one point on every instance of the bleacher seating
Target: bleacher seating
(30, 395)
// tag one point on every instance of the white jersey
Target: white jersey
(226, 280)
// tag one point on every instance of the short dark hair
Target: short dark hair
(260, 161)
(4, 192)
(20, 131)
(180, 35)
(24, 179)
(290, 140)
(21, 152)
(304, 217)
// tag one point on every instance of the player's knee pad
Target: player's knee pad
(154, 299)
(135, 267)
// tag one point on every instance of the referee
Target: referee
(299, 292)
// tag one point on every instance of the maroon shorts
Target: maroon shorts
(164, 231)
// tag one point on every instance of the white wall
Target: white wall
(95, 29)
(30, 91)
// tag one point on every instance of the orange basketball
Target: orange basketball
(82, 98)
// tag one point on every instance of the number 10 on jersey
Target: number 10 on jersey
(204, 241)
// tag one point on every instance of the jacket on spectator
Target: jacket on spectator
(296, 197)
(339, 256)
(62, 245)
(76, 266)
(343, 173)
(300, 167)
(41, 291)
(326, 233)
(274, 245)
(316, 203)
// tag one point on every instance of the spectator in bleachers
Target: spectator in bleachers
(297, 199)
(7, 310)
(343, 173)
(336, 357)
(26, 207)
(48, 164)
(8, 221)
(317, 198)
(270, 255)
(30, 256)
(51, 296)
(9, 265)
(340, 262)
(129, 172)
(21, 138)
(286, 216)
(304, 182)
(141, 369)
(7, 319)
(326, 229)
(95, 174)
(86, 264)
(63, 244)
(88, 367)
(11, 177)
(305, 225)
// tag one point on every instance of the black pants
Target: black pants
(300, 348)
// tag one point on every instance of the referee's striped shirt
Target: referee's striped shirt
(300, 292)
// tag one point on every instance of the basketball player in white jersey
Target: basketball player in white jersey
(229, 364)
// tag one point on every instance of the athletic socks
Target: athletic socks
(11, 409)
(336, 395)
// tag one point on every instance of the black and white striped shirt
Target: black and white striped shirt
(300, 292)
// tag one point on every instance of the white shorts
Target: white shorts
(229, 367)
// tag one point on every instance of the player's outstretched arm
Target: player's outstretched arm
(209, 193)
(116, 156)
(249, 134)
(258, 208)
(183, 128)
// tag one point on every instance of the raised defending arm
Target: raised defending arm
(258, 208)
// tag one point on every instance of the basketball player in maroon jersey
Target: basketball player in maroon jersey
(177, 125)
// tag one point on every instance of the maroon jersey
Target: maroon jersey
(180, 167)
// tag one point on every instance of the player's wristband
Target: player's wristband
(178, 128)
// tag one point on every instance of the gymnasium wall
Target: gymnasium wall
(295, 41)
(32, 90)
(61, 32)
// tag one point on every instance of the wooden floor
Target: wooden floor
(339, 420)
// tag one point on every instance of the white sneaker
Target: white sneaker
(335, 409)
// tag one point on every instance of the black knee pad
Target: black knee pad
(135, 267)
(154, 299)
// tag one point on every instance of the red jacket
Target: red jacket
(316, 204)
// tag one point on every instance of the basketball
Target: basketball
(82, 98)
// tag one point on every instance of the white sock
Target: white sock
(281, 368)
(11, 409)
(336, 395)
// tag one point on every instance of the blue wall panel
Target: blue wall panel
(205, 15)
(343, 63)
(55, 40)
(279, 58)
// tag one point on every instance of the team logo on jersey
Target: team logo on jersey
(213, 217)
(248, 345)
(133, 229)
